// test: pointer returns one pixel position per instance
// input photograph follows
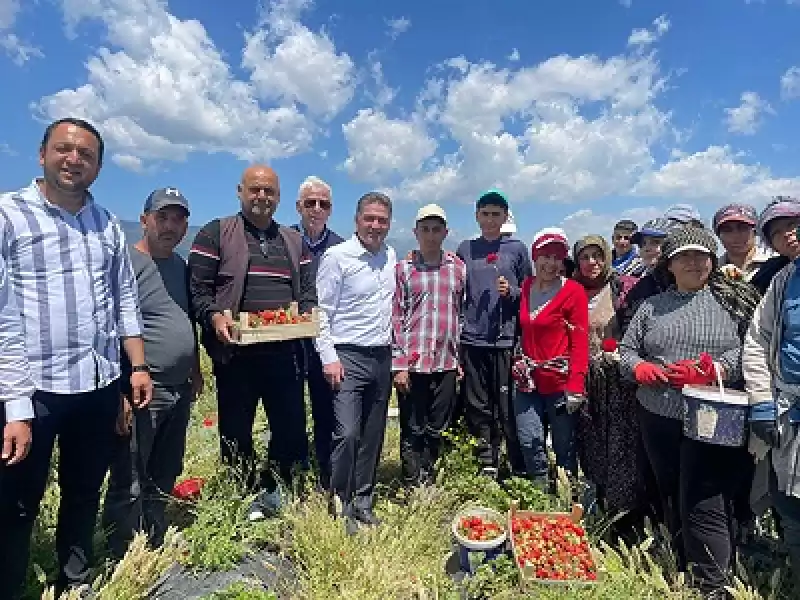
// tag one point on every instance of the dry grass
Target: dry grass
(404, 559)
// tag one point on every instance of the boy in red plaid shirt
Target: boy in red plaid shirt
(425, 320)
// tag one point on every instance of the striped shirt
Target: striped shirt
(673, 326)
(425, 314)
(74, 285)
(15, 379)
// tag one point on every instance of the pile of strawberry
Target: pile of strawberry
(276, 317)
(555, 547)
(479, 529)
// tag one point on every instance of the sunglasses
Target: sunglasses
(312, 202)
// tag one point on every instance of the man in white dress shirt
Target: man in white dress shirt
(355, 287)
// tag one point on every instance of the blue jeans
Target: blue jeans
(535, 412)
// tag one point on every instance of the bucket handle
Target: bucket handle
(719, 381)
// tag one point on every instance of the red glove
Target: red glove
(647, 373)
(692, 372)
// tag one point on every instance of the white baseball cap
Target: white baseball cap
(509, 226)
(430, 211)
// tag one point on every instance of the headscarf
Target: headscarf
(607, 272)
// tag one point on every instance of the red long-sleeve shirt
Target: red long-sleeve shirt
(560, 329)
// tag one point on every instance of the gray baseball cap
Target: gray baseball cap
(163, 197)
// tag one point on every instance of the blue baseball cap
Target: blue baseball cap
(163, 197)
(656, 228)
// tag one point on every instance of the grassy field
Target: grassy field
(404, 559)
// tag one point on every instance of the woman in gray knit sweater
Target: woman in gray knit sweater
(702, 312)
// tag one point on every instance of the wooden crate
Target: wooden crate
(244, 334)
(527, 575)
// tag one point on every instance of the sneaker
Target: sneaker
(265, 504)
(490, 472)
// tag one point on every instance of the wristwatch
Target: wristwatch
(140, 369)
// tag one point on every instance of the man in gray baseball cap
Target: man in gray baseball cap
(152, 440)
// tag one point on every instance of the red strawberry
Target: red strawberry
(609, 345)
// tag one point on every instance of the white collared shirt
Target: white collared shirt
(354, 290)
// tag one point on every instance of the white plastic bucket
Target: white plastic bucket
(715, 415)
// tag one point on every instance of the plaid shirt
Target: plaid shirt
(425, 314)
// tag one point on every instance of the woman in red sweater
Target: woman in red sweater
(552, 360)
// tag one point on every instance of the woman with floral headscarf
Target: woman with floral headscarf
(608, 432)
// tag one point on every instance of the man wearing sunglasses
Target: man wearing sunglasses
(314, 203)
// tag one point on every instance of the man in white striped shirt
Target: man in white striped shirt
(70, 272)
(15, 379)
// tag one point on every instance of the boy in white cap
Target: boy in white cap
(426, 335)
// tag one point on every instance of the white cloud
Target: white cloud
(128, 162)
(747, 117)
(8, 13)
(381, 148)
(7, 150)
(646, 37)
(714, 175)
(625, 3)
(18, 50)
(397, 27)
(383, 94)
(291, 63)
(163, 89)
(527, 130)
(514, 56)
(790, 84)
(586, 221)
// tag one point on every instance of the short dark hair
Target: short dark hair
(626, 225)
(78, 123)
(374, 198)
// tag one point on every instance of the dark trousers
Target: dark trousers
(487, 404)
(145, 467)
(534, 412)
(321, 395)
(788, 509)
(272, 374)
(84, 426)
(425, 413)
(360, 409)
(2, 462)
(698, 483)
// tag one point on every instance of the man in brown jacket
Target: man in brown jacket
(248, 262)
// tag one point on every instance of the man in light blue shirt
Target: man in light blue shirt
(71, 275)
(15, 379)
(355, 288)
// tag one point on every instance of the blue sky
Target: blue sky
(583, 111)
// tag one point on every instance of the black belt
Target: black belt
(378, 351)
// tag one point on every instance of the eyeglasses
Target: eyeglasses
(312, 202)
